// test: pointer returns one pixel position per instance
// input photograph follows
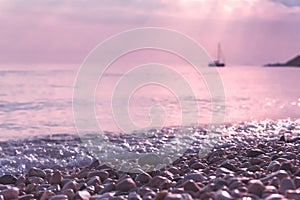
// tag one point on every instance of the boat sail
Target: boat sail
(218, 62)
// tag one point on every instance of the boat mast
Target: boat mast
(219, 51)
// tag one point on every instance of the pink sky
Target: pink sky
(252, 32)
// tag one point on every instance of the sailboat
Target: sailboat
(218, 62)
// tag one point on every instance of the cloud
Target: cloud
(65, 31)
(288, 3)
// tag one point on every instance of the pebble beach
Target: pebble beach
(251, 160)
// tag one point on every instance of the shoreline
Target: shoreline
(251, 159)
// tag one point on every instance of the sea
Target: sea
(40, 121)
(38, 100)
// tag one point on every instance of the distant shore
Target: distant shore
(294, 62)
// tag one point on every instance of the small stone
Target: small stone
(125, 185)
(171, 196)
(107, 188)
(47, 195)
(222, 171)
(229, 166)
(105, 196)
(219, 183)
(149, 195)
(190, 185)
(59, 197)
(292, 194)
(149, 159)
(143, 178)
(288, 166)
(273, 166)
(223, 195)
(254, 153)
(82, 195)
(134, 196)
(70, 193)
(72, 184)
(26, 197)
(94, 181)
(275, 197)
(286, 184)
(198, 165)
(54, 188)
(255, 161)
(297, 181)
(254, 168)
(37, 172)
(197, 177)
(256, 187)
(102, 174)
(8, 179)
(36, 180)
(278, 174)
(56, 178)
(11, 193)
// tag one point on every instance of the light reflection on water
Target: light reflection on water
(35, 101)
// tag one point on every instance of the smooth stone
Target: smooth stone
(292, 194)
(54, 188)
(149, 195)
(223, 195)
(36, 180)
(106, 196)
(107, 188)
(219, 183)
(286, 184)
(275, 197)
(72, 184)
(56, 178)
(47, 195)
(143, 178)
(126, 185)
(197, 177)
(256, 187)
(273, 166)
(8, 179)
(143, 190)
(288, 166)
(94, 181)
(149, 159)
(70, 193)
(100, 173)
(223, 171)
(229, 166)
(297, 181)
(190, 185)
(198, 165)
(82, 195)
(11, 193)
(26, 197)
(278, 174)
(134, 196)
(37, 172)
(255, 161)
(271, 189)
(59, 197)
(235, 185)
(254, 152)
(254, 168)
(161, 195)
(171, 196)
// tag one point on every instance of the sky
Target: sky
(251, 32)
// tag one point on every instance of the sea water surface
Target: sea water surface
(37, 100)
